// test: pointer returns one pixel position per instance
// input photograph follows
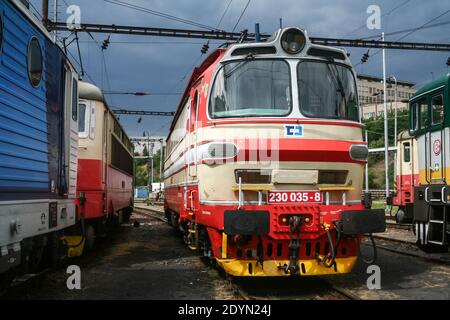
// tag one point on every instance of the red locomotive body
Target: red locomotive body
(265, 157)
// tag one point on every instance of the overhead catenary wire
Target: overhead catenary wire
(412, 31)
(439, 24)
(159, 14)
(224, 13)
(241, 15)
(383, 15)
(138, 93)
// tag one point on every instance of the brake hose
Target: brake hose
(374, 258)
(332, 255)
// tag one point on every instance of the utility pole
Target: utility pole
(161, 158)
(395, 110)
(386, 137)
(367, 165)
(45, 11)
(56, 17)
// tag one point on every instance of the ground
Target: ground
(152, 262)
(147, 262)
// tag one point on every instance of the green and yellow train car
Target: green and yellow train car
(430, 124)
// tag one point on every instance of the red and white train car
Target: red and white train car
(105, 165)
(265, 157)
(407, 176)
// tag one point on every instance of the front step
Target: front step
(436, 231)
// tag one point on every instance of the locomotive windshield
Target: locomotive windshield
(252, 88)
(327, 90)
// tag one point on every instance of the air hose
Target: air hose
(328, 260)
(375, 254)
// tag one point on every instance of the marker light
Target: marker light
(359, 152)
(293, 41)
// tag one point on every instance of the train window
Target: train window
(117, 130)
(252, 88)
(193, 115)
(82, 120)
(423, 114)
(34, 62)
(406, 152)
(74, 99)
(414, 116)
(437, 109)
(327, 90)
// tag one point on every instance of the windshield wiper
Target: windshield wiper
(249, 57)
(338, 81)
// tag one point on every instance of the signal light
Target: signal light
(365, 57)
(448, 61)
(293, 40)
(205, 48)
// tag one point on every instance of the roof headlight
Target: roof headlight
(293, 41)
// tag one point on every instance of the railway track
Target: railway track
(289, 288)
(151, 213)
(398, 246)
(243, 289)
(410, 249)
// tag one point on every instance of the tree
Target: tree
(375, 128)
(145, 151)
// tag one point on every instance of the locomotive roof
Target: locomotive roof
(404, 135)
(442, 81)
(33, 19)
(225, 53)
(90, 92)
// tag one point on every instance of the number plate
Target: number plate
(295, 197)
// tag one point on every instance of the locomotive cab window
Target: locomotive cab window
(327, 90)
(34, 62)
(406, 152)
(414, 116)
(251, 88)
(424, 122)
(437, 109)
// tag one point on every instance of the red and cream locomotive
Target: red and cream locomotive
(105, 165)
(265, 158)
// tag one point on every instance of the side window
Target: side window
(415, 116)
(437, 109)
(74, 99)
(424, 122)
(406, 152)
(34, 62)
(193, 115)
(82, 120)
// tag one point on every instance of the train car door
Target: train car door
(437, 138)
(405, 169)
(193, 115)
(71, 130)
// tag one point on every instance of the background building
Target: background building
(370, 90)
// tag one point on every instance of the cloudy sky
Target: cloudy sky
(162, 65)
